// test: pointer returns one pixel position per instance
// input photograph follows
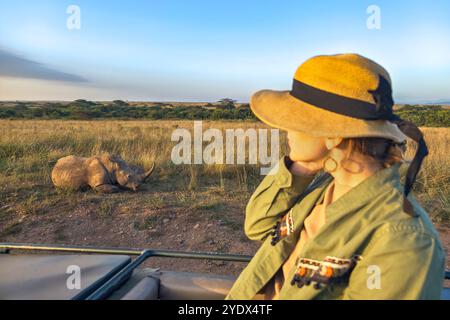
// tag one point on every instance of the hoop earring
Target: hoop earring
(359, 170)
(330, 165)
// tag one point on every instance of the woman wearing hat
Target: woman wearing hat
(334, 219)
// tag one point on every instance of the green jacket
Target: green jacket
(401, 256)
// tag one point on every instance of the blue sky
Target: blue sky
(207, 50)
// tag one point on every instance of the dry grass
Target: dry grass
(433, 183)
(29, 149)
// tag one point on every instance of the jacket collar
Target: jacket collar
(364, 192)
(355, 198)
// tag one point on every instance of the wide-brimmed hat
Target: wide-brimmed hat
(343, 95)
(332, 96)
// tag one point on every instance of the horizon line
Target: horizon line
(403, 102)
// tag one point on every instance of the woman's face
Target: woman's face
(303, 147)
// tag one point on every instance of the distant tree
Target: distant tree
(7, 113)
(226, 103)
(37, 112)
(21, 105)
(120, 103)
(81, 103)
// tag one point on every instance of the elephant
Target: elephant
(105, 173)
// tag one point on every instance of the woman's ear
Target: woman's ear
(331, 143)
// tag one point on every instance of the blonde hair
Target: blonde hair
(385, 151)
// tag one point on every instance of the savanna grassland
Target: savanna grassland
(182, 207)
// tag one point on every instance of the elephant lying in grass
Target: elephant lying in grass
(106, 173)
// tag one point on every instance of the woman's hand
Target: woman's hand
(306, 153)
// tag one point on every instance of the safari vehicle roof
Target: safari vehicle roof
(32, 276)
(43, 272)
(107, 273)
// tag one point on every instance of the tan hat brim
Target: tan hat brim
(281, 110)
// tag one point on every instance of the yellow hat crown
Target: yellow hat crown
(348, 84)
(349, 75)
